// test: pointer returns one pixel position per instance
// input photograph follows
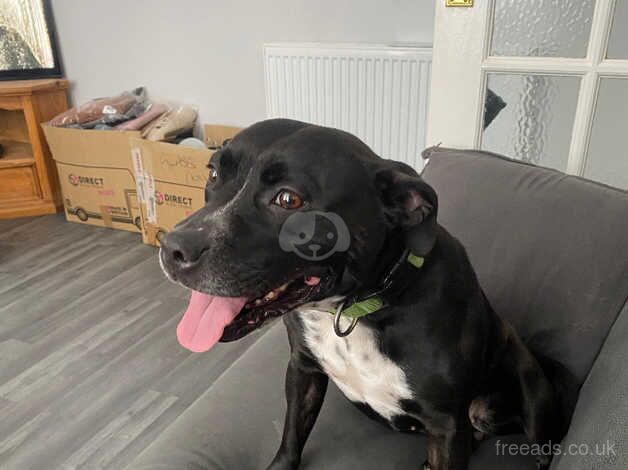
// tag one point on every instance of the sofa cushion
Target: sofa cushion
(237, 424)
(550, 250)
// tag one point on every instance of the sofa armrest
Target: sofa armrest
(597, 438)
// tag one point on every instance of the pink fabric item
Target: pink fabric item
(152, 113)
(95, 110)
(205, 320)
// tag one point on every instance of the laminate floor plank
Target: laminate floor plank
(90, 368)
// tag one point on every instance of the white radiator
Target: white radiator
(378, 93)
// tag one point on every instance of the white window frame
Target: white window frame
(462, 46)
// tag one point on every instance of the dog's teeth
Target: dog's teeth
(258, 301)
(270, 296)
(283, 288)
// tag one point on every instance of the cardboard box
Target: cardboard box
(96, 174)
(216, 134)
(171, 180)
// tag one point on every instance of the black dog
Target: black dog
(429, 354)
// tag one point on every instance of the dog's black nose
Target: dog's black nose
(184, 247)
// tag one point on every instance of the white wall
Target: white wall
(209, 52)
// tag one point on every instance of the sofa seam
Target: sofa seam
(622, 307)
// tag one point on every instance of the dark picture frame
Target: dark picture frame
(26, 73)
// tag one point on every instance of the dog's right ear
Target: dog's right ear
(409, 203)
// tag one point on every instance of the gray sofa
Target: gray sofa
(551, 252)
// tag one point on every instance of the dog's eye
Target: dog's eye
(213, 174)
(288, 199)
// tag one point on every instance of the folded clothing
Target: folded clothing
(153, 112)
(132, 111)
(104, 111)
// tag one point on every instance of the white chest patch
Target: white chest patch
(355, 362)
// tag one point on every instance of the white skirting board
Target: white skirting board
(379, 93)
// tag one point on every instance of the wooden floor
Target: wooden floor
(90, 369)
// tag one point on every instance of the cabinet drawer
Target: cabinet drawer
(18, 183)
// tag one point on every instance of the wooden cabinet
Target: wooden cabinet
(29, 184)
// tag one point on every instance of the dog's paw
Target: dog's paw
(543, 462)
(426, 466)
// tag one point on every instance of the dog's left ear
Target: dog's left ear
(409, 203)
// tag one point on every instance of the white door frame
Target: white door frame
(461, 63)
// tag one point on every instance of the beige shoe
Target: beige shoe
(171, 124)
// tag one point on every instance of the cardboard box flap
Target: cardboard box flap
(215, 135)
(172, 163)
(89, 147)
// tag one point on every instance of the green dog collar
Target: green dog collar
(416, 261)
(367, 306)
(363, 308)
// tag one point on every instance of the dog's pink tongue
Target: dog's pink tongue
(205, 320)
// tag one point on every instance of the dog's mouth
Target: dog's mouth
(209, 319)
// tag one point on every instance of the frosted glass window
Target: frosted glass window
(607, 159)
(536, 119)
(546, 28)
(618, 40)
